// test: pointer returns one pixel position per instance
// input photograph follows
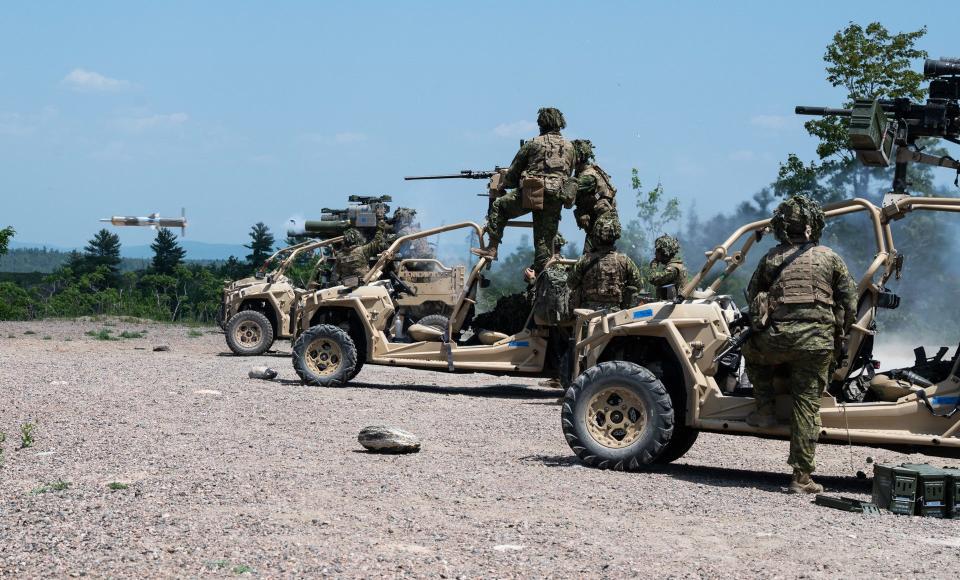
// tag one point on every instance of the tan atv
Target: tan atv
(650, 378)
(255, 311)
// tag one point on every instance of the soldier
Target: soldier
(539, 173)
(809, 300)
(596, 195)
(667, 267)
(353, 258)
(605, 278)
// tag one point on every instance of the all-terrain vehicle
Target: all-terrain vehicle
(647, 380)
(258, 310)
(255, 311)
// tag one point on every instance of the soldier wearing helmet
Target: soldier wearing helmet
(667, 267)
(605, 278)
(353, 257)
(596, 196)
(802, 299)
(539, 177)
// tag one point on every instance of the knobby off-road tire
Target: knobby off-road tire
(437, 321)
(681, 441)
(617, 415)
(249, 333)
(325, 356)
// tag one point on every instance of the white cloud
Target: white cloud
(774, 122)
(147, 122)
(88, 81)
(516, 129)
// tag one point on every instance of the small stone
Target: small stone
(383, 439)
(161, 348)
(265, 373)
(206, 392)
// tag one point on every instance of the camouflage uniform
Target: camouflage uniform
(508, 315)
(604, 278)
(596, 202)
(667, 267)
(353, 259)
(810, 302)
(551, 158)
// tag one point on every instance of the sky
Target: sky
(262, 111)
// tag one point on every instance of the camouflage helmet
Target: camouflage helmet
(352, 237)
(667, 245)
(607, 232)
(791, 218)
(584, 149)
(403, 216)
(558, 243)
(550, 119)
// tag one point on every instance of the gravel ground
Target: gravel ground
(228, 475)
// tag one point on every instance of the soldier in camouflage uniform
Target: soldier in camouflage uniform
(596, 196)
(811, 300)
(353, 258)
(540, 178)
(667, 267)
(605, 278)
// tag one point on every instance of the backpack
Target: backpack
(551, 303)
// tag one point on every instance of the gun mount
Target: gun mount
(876, 126)
(362, 212)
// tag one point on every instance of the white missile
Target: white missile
(151, 221)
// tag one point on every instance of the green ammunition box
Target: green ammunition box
(953, 491)
(912, 489)
(870, 133)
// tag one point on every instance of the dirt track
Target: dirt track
(228, 474)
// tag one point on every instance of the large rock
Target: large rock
(382, 439)
(265, 373)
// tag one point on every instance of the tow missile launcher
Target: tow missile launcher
(360, 213)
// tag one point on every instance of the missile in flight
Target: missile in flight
(151, 221)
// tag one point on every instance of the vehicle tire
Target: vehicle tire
(325, 356)
(681, 441)
(438, 321)
(249, 333)
(617, 415)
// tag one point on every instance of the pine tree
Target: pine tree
(260, 246)
(103, 250)
(167, 253)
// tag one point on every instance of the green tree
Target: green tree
(102, 251)
(5, 235)
(167, 253)
(868, 63)
(655, 211)
(260, 246)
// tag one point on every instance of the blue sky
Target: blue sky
(260, 111)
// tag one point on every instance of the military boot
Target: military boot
(803, 483)
(488, 252)
(761, 420)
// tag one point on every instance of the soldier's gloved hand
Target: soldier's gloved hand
(568, 193)
(529, 276)
(584, 222)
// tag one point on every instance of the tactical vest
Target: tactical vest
(552, 160)
(806, 280)
(352, 263)
(605, 188)
(603, 280)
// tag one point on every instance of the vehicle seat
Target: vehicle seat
(889, 390)
(420, 332)
(488, 337)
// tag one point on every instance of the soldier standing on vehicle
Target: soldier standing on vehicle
(801, 295)
(540, 178)
(667, 267)
(596, 195)
(605, 278)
